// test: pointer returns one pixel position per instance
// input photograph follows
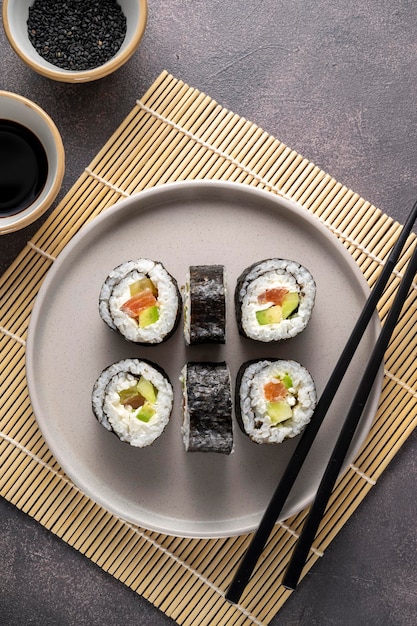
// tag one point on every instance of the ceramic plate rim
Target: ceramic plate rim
(142, 199)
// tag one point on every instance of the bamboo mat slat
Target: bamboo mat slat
(176, 133)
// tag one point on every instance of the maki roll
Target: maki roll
(207, 408)
(275, 399)
(133, 399)
(274, 300)
(141, 301)
(205, 305)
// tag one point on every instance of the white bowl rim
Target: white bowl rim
(50, 71)
(8, 225)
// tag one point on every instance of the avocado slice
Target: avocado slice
(290, 304)
(278, 411)
(147, 390)
(148, 316)
(145, 412)
(273, 315)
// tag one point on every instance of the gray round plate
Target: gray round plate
(162, 487)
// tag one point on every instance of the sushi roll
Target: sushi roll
(133, 399)
(275, 399)
(141, 300)
(205, 305)
(274, 300)
(207, 408)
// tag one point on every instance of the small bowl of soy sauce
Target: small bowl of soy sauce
(32, 162)
(75, 41)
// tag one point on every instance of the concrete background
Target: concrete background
(336, 81)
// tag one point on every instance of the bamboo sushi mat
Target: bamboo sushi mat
(174, 133)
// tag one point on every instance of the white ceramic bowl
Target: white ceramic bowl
(16, 108)
(15, 15)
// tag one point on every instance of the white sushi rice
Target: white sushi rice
(115, 292)
(186, 295)
(302, 398)
(185, 426)
(270, 274)
(121, 419)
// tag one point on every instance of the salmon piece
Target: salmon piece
(276, 296)
(135, 402)
(131, 397)
(275, 390)
(141, 301)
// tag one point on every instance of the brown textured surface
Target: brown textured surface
(176, 132)
(371, 76)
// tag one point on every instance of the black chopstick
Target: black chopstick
(344, 439)
(273, 510)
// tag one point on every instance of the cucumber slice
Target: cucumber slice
(145, 413)
(147, 390)
(279, 412)
(140, 285)
(287, 381)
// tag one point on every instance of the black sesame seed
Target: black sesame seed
(74, 36)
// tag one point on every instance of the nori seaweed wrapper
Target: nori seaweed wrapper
(298, 319)
(157, 273)
(207, 301)
(207, 408)
(250, 417)
(106, 413)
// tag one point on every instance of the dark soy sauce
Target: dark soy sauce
(23, 167)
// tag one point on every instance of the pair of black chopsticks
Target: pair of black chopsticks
(304, 542)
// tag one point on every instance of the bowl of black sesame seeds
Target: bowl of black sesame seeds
(74, 40)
